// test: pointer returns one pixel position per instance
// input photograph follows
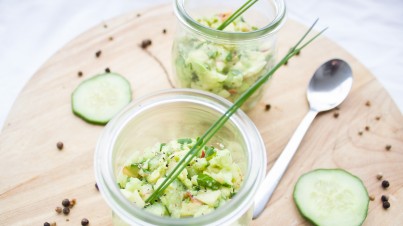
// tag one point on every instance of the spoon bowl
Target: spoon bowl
(329, 85)
(328, 88)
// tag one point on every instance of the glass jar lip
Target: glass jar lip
(267, 30)
(122, 207)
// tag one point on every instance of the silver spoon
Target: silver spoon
(328, 87)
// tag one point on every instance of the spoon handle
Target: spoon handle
(272, 179)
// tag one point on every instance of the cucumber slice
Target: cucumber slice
(331, 197)
(98, 99)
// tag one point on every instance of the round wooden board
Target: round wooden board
(35, 176)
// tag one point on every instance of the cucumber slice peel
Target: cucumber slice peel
(331, 197)
(97, 99)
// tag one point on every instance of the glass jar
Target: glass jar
(225, 62)
(168, 115)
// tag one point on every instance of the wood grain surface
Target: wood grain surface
(35, 176)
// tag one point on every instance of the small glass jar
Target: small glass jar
(225, 62)
(168, 115)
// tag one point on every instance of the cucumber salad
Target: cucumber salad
(226, 69)
(208, 182)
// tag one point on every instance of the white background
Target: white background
(31, 31)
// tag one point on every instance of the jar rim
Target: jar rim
(269, 29)
(122, 207)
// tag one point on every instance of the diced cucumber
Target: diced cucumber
(189, 209)
(157, 209)
(98, 99)
(331, 197)
(194, 209)
(133, 197)
(211, 198)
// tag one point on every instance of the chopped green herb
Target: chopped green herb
(162, 145)
(228, 57)
(212, 54)
(210, 152)
(207, 181)
(184, 140)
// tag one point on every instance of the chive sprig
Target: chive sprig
(236, 14)
(202, 141)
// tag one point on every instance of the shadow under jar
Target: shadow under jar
(169, 115)
(225, 62)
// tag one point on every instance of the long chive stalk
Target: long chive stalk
(202, 141)
(236, 14)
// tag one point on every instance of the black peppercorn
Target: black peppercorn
(385, 184)
(66, 202)
(145, 43)
(336, 115)
(107, 70)
(59, 145)
(66, 210)
(267, 107)
(46, 224)
(384, 198)
(386, 205)
(96, 186)
(98, 53)
(84, 222)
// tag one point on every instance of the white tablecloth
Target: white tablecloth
(32, 31)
